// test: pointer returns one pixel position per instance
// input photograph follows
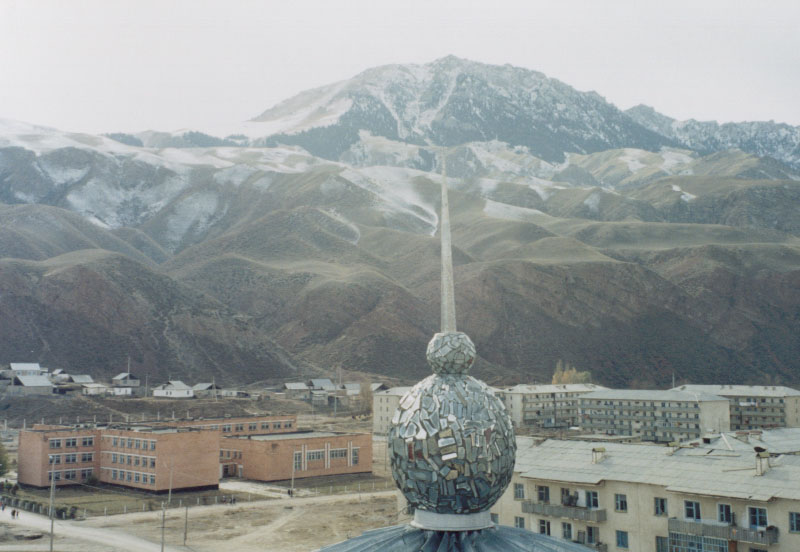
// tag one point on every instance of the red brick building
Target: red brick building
(185, 454)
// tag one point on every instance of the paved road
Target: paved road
(116, 539)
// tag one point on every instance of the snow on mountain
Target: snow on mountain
(763, 138)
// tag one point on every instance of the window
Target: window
(794, 522)
(55, 443)
(70, 458)
(152, 445)
(592, 535)
(128, 476)
(519, 522)
(55, 458)
(114, 442)
(519, 491)
(239, 427)
(226, 428)
(87, 457)
(264, 425)
(71, 474)
(113, 458)
(355, 456)
(287, 425)
(621, 502)
(314, 455)
(276, 425)
(662, 544)
(128, 459)
(54, 475)
(136, 477)
(622, 539)
(298, 461)
(495, 518)
(130, 443)
(724, 513)
(87, 442)
(544, 527)
(253, 427)
(152, 462)
(692, 509)
(592, 500)
(137, 443)
(86, 473)
(758, 516)
(543, 493)
(71, 442)
(566, 497)
(338, 453)
(152, 479)
(135, 460)
(660, 508)
(566, 531)
(114, 474)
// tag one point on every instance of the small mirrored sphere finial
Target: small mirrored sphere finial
(450, 353)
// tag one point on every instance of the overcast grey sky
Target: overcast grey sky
(106, 65)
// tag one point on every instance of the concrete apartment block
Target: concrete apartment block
(756, 406)
(654, 415)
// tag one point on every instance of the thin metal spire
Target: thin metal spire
(448, 288)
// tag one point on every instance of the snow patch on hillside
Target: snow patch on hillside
(334, 214)
(505, 211)
(685, 196)
(234, 176)
(632, 158)
(593, 202)
(394, 189)
(195, 213)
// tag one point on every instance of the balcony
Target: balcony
(709, 528)
(558, 510)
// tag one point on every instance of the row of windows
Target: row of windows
(316, 455)
(130, 443)
(253, 426)
(72, 442)
(71, 475)
(134, 477)
(757, 517)
(230, 453)
(133, 460)
(71, 458)
(590, 536)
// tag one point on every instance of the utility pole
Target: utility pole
(52, 500)
(186, 524)
(294, 455)
(163, 522)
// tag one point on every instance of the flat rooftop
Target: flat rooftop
(287, 436)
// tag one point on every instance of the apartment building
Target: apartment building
(300, 454)
(638, 497)
(660, 416)
(545, 406)
(384, 403)
(756, 406)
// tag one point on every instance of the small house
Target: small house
(30, 385)
(94, 389)
(24, 369)
(125, 379)
(174, 389)
(296, 390)
(205, 389)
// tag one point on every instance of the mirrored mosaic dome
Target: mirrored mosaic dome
(451, 442)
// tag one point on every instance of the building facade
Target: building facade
(545, 406)
(660, 416)
(384, 403)
(756, 406)
(300, 454)
(635, 497)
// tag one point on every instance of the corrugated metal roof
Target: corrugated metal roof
(22, 366)
(177, 384)
(296, 386)
(124, 375)
(82, 378)
(741, 390)
(321, 382)
(708, 474)
(553, 388)
(651, 395)
(34, 381)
